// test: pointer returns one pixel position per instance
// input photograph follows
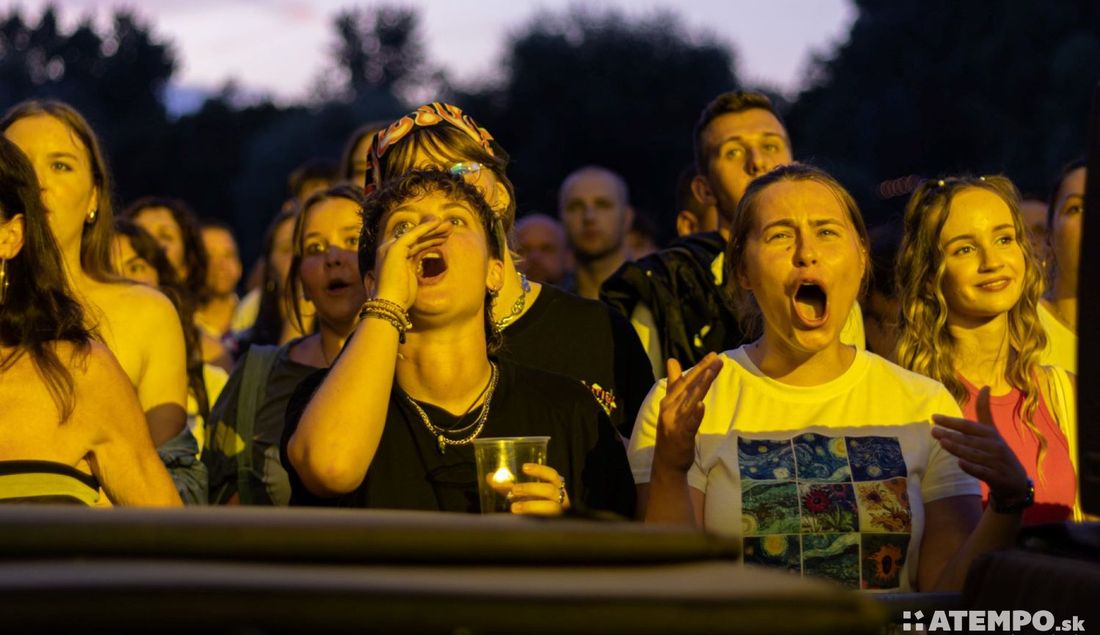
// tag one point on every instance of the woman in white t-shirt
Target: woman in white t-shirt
(820, 456)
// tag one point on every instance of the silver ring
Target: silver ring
(561, 493)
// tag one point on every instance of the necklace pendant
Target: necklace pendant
(442, 445)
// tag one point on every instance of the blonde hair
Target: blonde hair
(925, 345)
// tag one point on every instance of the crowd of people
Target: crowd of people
(874, 407)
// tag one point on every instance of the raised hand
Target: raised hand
(395, 264)
(681, 411)
(982, 452)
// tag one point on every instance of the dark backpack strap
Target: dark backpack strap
(257, 367)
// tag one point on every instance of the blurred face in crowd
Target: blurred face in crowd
(359, 160)
(803, 261)
(541, 242)
(330, 263)
(162, 225)
(1035, 221)
(984, 264)
(1065, 231)
(741, 146)
(64, 171)
(639, 244)
(224, 269)
(595, 212)
(129, 264)
(282, 250)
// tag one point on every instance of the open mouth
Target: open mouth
(337, 286)
(431, 266)
(811, 303)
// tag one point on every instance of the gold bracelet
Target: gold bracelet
(379, 314)
(388, 307)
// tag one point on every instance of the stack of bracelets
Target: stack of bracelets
(391, 312)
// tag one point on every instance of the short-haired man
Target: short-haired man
(676, 298)
(594, 206)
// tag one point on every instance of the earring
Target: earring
(3, 280)
(91, 216)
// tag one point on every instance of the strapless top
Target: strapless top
(46, 482)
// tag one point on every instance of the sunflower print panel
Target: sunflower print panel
(883, 557)
(884, 506)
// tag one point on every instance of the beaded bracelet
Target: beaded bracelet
(388, 311)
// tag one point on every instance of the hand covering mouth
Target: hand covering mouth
(811, 303)
(431, 265)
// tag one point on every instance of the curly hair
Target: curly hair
(95, 243)
(414, 185)
(925, 344)
(39, 309)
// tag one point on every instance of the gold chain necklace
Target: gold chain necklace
(517, 306)
(482, 417)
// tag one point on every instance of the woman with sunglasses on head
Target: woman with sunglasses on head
(71, 422)
(970, 287)
(138, 324)
(820, 456)
(420, 371)
(542, 326)
(324, 268)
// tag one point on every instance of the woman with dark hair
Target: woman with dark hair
(137, 323)
(420, 361)
(139, 257)
(273, 324)
(969, 286)
(1058, 310)
(71, 418)
(820, 456)
(252, 410)
(176, 228)
(542, 326)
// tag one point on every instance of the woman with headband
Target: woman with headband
(542, 326)
(422, 383)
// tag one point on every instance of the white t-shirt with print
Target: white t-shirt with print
(827, 480)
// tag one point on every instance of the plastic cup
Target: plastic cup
(500, 464)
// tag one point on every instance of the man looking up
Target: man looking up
(676, 298)
(595, 208)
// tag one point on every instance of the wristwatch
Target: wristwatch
(1013, 506)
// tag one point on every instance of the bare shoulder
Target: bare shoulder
(96, 366)
(139, 307)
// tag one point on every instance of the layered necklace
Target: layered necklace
(517, 306)
(440, 434)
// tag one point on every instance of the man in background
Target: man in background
(594, 206)
(542, 245)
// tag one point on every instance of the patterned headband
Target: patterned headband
(423, 117)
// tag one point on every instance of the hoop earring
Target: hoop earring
(3, 280)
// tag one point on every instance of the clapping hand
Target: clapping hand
(681, 411)
(982, 452)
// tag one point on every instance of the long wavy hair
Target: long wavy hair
(38, 309)
(95, 242)
(194, 253)
(270, 317)
(925, 345)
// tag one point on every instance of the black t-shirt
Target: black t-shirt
(410, 472)
(587, 341)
